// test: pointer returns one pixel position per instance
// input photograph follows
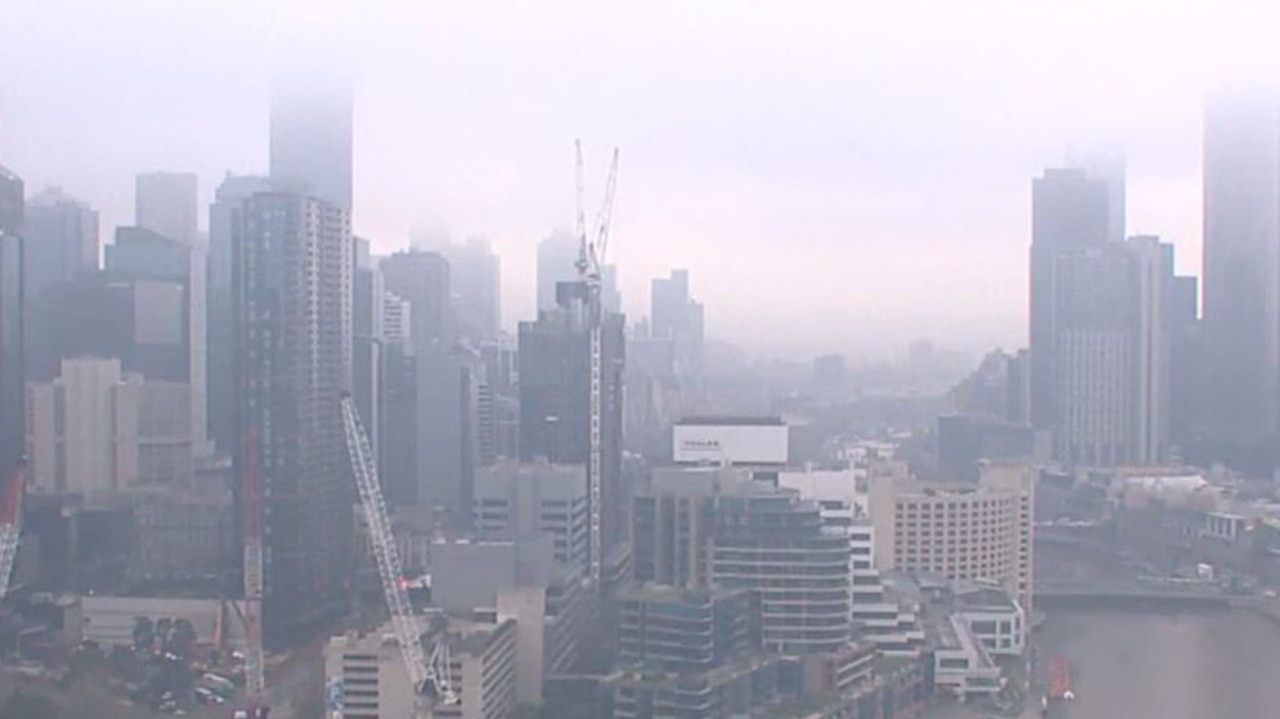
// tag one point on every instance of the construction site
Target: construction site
(130, 654)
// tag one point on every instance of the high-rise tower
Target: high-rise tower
(292, 269)
(1242, 267)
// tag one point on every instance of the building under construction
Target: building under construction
(555, 395)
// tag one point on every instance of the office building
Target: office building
(475, 274)
(12, 315)
(220, 351)
(145, 255)
(1187, 396)
(1100, 332)
(501, 371)
(1242, 268)
(365, 677)
(422, 279)
(96, 431)
(181, 534)
(678, 317)
(686, 630)
(367, 364)
(475, 576)
(482, 670)
(965, 441)
(292, 272)
(311, 136)
(519, 499)
(700, 527)
(61, 240)
(450, 383)
(139, 321)
(165, 203)
(1153, 348)
(554, 356)
(691, 653)
(957, 531)
(398, 436)
(1070, 210)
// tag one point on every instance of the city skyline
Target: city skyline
(843, 173)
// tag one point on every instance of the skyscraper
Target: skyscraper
(292, 269)
(443, 378)
(678, 317)
(143, 254)
(165, 202)
(475, 282)
(1100, 326)
(367, 305)
(1242, 266)
(422, 279)
(61, 240)
(1153, 348)
(12, 349)
(311, 121)
(555, 395)
(221, 352)
(1069, 210)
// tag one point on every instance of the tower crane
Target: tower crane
(591, 258)
(254, 671)
(11, 524)
(429, 673)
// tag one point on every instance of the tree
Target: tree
(144, 632)
(182, 640)
(164, 630)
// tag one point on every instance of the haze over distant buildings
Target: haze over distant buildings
(788, 142)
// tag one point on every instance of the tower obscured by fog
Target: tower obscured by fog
(61, 240)
(557, 255)
(166, 202)
(12, 380)
(1101, 338)
(1242, 267)
(678, 317)
(475, 282)
(311, 132)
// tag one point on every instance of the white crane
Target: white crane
(11, 524)
(591, 257)
(427, 673)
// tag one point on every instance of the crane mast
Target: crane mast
(11, 524)
(591, 254)
(254, 671)
(425, 672)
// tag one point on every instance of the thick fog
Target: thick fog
(837, 176)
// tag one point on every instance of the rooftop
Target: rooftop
(713, 420)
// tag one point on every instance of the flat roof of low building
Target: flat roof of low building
(712, 420)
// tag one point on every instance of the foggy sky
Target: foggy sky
(840, 176)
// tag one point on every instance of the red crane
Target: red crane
(254, 678)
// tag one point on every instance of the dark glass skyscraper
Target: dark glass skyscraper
(1069, 210)
(555, 395)
(1242, 268)
(292, 306)
(12, 377)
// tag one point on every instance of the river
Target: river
(1211, 665)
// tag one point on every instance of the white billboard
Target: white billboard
(730, 443)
